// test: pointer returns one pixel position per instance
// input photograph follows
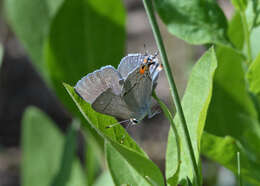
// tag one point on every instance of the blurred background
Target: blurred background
(22, 85)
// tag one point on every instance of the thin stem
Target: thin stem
(238, 170)
(247, 36)
(169, 116)
(174, 93)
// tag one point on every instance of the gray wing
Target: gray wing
(109, 103)
(137, 92)
(129, 63)
(92, 85)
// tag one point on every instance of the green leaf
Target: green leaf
(104, 179)
(224, 151)
(195, 104)
(30, 20)
(128, 167)
(42, 151)
(81, 41)
(173, 180)
(255, 45)
(124, 145)
(196, 21)
(253, 14)
(230, 105)
(253, 76)
(235, 31)
(93, 158)
(254, 83)
(231, 112)
(240, 4)
(100, 121)
(63, 175)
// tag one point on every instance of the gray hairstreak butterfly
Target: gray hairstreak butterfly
(125, 92)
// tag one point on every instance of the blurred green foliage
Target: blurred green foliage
(30, 20)
(67, 39)
(48, 158)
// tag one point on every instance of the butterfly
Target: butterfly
(125, 92)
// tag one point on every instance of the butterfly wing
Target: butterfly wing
(92, 85)
(137, 92)
(109, 103)
(129, 63)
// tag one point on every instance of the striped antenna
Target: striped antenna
(118, 123)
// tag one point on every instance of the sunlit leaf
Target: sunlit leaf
(195, 105)
(255, 45)
(104, 179)
(231, 111)
(128, 167)
(254, 76)
(197, 22)
(121, 143)
(253, 14)
(240, 4)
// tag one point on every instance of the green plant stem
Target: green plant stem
(247, 36)
(240, 183)
(169, 116)
(174, 93)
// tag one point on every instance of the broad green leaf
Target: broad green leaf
(124, 145)
(195, 105)
(42, 151)
(230, 105)
(253, 19)
(128, 167)
(224, 151)
(100, 121)
(231, 111)
(253, 13)
(240, 4)
(30, 20)
(235, 31)
(104, 179)
(196, 21)
(255, 44)
(253, 76)
(84, 35)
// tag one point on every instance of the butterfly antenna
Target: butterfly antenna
(146, 51)
(115, 124)
(155, 54)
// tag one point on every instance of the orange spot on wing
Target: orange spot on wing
(142, 70)
(160, 67)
